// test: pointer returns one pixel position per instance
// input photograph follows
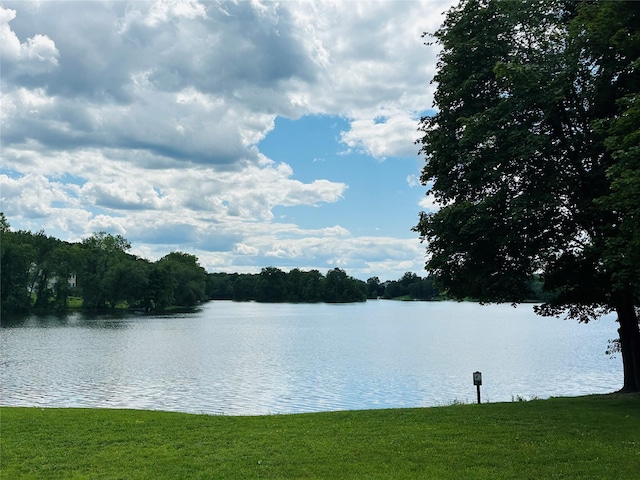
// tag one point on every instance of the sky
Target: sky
(247, 133)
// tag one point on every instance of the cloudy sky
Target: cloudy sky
(248, 133)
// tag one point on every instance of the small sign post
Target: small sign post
(477, 381)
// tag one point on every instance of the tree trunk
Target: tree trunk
(629, 344)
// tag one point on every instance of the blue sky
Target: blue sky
(250, 133)
(378, 200)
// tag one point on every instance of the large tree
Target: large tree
(532, 155)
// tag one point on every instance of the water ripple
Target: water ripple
(245, 359)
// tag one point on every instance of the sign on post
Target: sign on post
(477, 381)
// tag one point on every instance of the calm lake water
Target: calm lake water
(248, 358)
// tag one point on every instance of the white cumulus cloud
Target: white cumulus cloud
(145, 119)
(37, 54)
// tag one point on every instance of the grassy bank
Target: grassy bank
(588, 437)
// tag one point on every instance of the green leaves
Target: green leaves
(517, 153)
(534, 155)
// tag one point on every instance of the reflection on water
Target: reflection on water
(248, 358)
(74, 319)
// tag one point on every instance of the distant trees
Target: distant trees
(161, 285)
(42, 273)
(296, 286)
(17, 257)
(374, 288)
(272, 286)
(101, 272)
(37, 269)
(187, 278)
(412, 287)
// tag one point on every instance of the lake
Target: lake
(250, 359)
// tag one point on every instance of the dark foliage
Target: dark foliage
(533, 157)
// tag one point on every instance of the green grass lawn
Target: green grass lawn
(595, 437)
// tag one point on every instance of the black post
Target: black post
(477, 381)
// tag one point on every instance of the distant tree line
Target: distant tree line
(42, 273)
(275, 285)
(296, 286)
(409, 287)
